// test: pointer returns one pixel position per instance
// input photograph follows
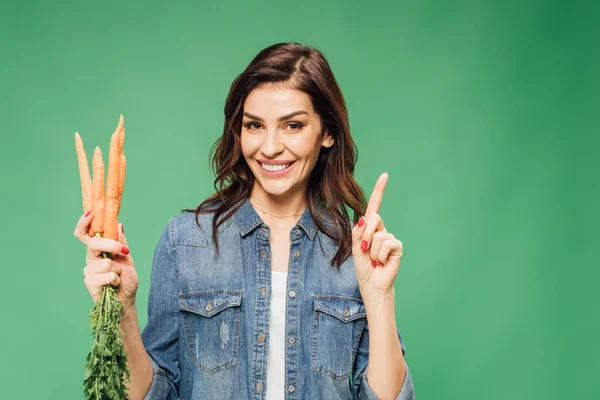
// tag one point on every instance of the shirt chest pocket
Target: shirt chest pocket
(211, 320)
(337, 327)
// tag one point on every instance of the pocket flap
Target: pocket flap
(209, 302)
(344, 308)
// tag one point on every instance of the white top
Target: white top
(276, 353)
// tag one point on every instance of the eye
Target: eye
(298, 125)
(250, 125)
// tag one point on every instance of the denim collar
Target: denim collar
(247, 220)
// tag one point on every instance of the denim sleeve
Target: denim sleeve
(160, 335)
(360, 386)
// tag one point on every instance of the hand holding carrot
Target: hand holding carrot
(118, 271)
(98, 229)
(108, 264)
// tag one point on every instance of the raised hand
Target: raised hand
(118, 271)
(376, 252)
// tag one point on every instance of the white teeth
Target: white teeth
(275, 167)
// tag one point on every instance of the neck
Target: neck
(287, 205)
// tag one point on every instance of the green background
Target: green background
(483, 114)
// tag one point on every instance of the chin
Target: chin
(274, 189)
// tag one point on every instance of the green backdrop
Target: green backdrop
(482, 113)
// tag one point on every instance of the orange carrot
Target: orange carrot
(102, 379)
(84, 175)
(111, 199)
(122, 135)
(98, 192)
(122, 165)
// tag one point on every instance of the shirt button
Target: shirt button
(297, 254)
(263, 254)
(258, 386)
(346, 313)
(292, 294)
(297, 231)
(263, 291)
(290, 388)
(292, 340)
(208, 307)
(261, 337)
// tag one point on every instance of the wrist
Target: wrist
(129, 318)
(377, 296)
(129, 309)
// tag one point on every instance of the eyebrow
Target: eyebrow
(283, 118)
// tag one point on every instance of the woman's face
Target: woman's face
(281, 139)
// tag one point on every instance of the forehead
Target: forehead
(272, 101)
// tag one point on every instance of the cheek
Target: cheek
(248, 145)
(304, 147)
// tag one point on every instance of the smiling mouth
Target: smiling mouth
(275, 168)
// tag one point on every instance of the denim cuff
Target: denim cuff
(406, 393)
(160, 388)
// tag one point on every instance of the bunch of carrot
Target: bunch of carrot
(106, 364)
(105, 206)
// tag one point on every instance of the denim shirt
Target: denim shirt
(208, 317)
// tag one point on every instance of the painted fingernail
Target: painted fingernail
(361, 221)
(363, 245)
(124, 250)
(87, 214)
(374, 263)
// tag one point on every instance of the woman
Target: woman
(268, 289)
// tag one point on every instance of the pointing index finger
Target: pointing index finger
(377, 194)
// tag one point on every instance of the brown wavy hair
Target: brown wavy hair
(331, 185)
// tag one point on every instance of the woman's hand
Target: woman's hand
(376, 252)
(118, 271)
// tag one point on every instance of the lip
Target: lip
(276, 174)
(275, 162)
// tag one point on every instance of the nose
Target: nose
(272, 145)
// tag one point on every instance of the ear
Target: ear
(328, 139)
